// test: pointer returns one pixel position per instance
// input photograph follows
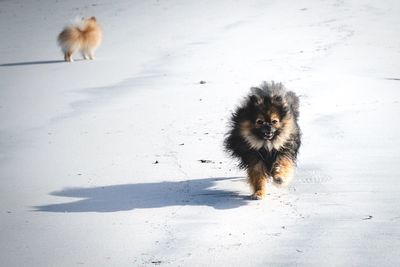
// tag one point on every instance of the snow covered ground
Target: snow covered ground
(79, 142)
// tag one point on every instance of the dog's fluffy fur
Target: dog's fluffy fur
(264, 135)
(84, 36)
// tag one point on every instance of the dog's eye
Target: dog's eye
(274, 121)
(259, 122)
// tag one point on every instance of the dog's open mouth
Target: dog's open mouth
(268, 136)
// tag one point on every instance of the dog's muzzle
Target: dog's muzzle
(267, 132)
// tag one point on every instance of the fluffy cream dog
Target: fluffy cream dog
(84, 36)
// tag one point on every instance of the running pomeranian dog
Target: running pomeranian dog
(84, 36)
(265, 136)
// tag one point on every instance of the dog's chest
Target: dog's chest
(268, 157)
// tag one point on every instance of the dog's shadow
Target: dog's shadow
(27, 63)
(43, 62)
(124, 197)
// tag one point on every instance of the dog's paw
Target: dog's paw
(281, 175)
(258, 195)
(280, 181)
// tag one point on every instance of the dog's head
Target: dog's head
(267, 116)
(92, 19)
(89, 22)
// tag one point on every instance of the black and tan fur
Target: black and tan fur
(265, 137)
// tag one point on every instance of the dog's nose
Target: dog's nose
(266, 128)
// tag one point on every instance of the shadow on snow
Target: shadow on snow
(28, 63)
(198, 192)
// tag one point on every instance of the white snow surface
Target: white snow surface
(79, 142)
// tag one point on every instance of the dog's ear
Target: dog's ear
(293, 102)
(93, 18)
(256, 96)
(277, 99)
(255, 100)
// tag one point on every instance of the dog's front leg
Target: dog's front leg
(282, 171)
(258, 178)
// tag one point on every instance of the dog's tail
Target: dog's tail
(294, 103)
(69, 39)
